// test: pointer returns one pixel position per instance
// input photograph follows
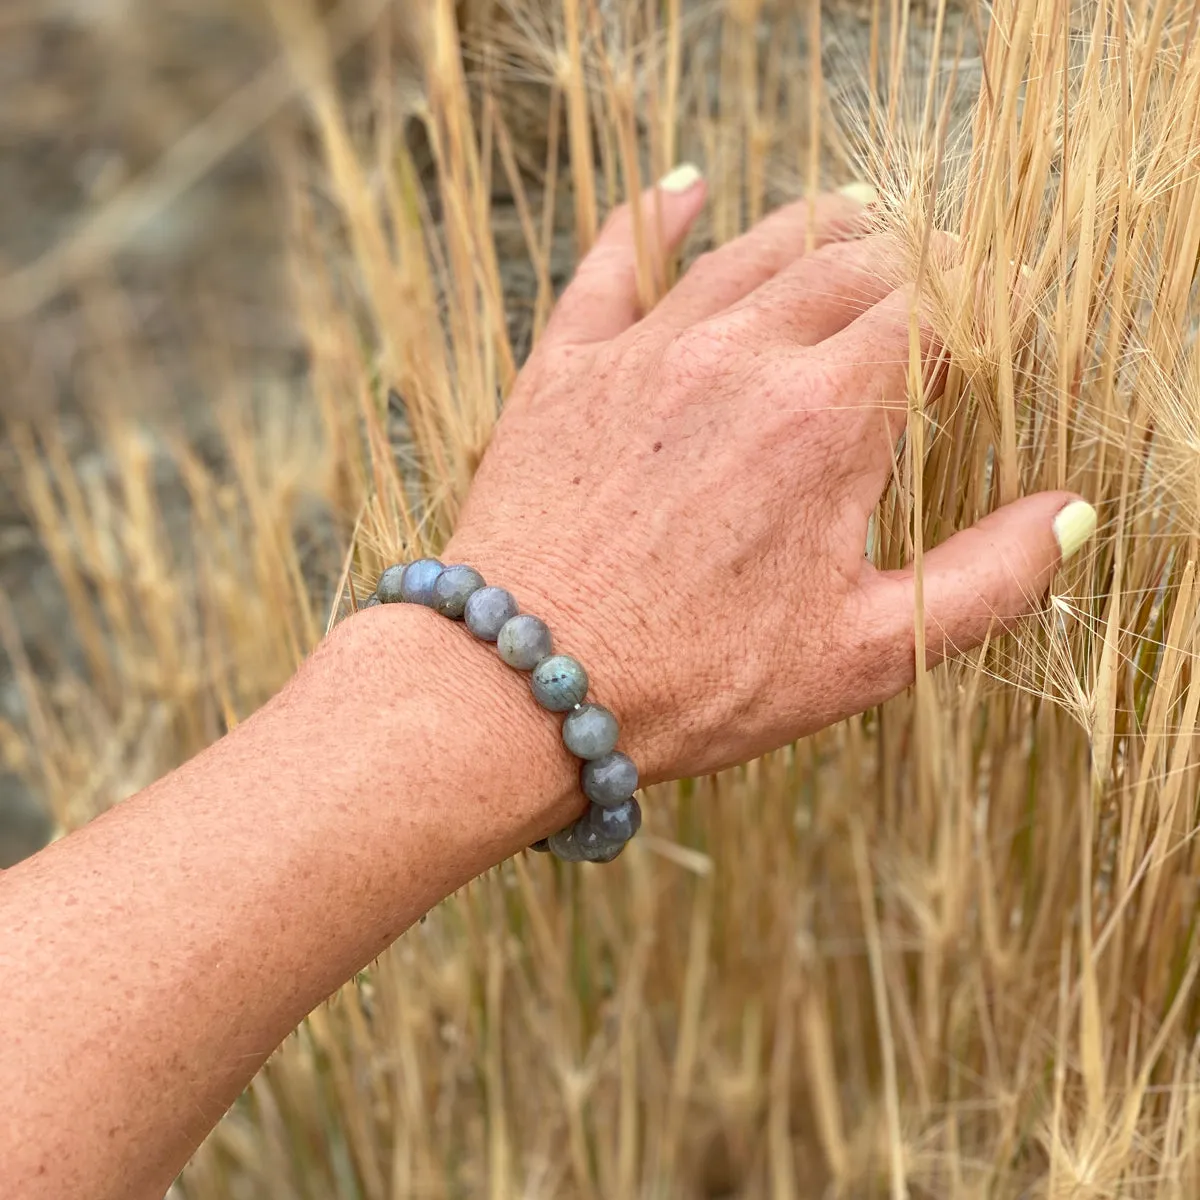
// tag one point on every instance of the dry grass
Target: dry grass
(945, 949)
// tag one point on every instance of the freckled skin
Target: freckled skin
(717, 590)
(756, 511)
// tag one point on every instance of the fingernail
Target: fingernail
(685, 176)
(1074, 526)
(860, 193)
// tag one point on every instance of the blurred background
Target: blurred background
(149, 326)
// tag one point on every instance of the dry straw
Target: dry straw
(945, 949)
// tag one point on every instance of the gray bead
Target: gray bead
(559, 683)
(580, 842)
(371, 603)
(454, 587)
(604, 852)
(591, 845)
(542, 846)
(419, 577)
(564, 846)
(388, 588)
(617, 824)
(487, 611)
(609, 781)
(524, 641)
(590, 731)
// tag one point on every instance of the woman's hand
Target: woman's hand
(684, 495)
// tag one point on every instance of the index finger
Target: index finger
(604, 298)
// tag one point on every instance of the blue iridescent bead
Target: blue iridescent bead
(416, 587)
(373, 602)
(559, 683)
(488, 611)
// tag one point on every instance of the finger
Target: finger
(603, 299)
(721, 278)
(870, 359)
(975, 585)
(871, 353)
(820, 294)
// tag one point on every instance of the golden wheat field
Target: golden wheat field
(945, 949)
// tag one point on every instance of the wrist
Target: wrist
(607, 637)
(459, 745)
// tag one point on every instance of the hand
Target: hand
(684, 496)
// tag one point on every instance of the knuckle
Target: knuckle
(553, 361)
(699, 353)
(703, 267)
(875, 249)
(732, 332)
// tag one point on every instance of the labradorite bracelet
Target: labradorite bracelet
(608, 777)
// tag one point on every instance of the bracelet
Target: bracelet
(608, 777)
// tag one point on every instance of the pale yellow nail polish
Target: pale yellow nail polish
(1074, 526)
(681, 179)
(860, 193)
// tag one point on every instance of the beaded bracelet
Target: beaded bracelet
(608, 777)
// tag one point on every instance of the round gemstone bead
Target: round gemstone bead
(609, 781)
(387, 590)
(591, 845)
(453, 588)
(371, 603)
(487, 612)
(416, 587)
(590, 731)
(524, 641)
(559, 683)
(605, 852)
(617, 824)
(564, 846)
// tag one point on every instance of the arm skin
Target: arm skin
(153, 960)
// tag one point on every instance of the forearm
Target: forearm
(152, 961)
